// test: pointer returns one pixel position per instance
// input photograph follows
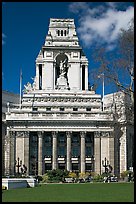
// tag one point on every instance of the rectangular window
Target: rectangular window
(88, 139)
(75, 54)
(88, 167)
(61, 139)
(34, 109)
(61, 151)
(75, 151)
(88, 151)
(48, 109)
(75, 109)
(48, 139)
(75, 139)
(48, 167)
(40, 76)
(61, 109)
(75, 167)
(88, 109)
(83, 77)
(48, 151)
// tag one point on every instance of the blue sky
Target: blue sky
(25, 26)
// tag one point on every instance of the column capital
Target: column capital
(54, 134)
(40, 133)
(97, 134)
(26, 133)
(68, 133)
(12, 133)
(82, 134)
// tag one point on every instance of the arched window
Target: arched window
(58, 33)
(65, 32)
(61, 32)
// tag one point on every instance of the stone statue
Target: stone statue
(34, 83)
(62, 80)
(28, 87)
(62, 68)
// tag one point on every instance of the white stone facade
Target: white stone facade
(61, 123)
(7, 98)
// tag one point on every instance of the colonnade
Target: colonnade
(18, 145)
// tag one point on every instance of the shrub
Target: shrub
(124, 174)
(57, 175)
(98, 178)
(44, 178)
(72, 175)
(4, 188)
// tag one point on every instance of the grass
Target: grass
(85, 192)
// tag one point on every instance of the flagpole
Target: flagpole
(20, 86)
(103, 92)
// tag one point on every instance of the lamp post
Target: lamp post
(105, 164)
(18, 164)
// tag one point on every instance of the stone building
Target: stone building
(7, 97)
(123, 114)
(60, 123)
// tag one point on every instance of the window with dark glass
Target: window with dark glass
(75, 151)
(33, 153)
(88, 167)
(61, 139)
(88, 139)
(48, 151)
(61, 109)
(48, 139)
(34, 109)
(48, 166)
(61, 151)
(65, 32)
(75, 167)
(88, 151)
(75, 139)
(40, 76)
(61, 32)
(75, 109)
(88, 109)
(48, 109)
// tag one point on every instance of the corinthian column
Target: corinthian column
(68, 150)
(82, 134)
(54, 153)
(40, 153)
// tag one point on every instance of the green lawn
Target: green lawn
(84, 192)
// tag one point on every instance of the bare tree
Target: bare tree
(118, 69)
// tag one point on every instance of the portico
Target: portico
(43, 151)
